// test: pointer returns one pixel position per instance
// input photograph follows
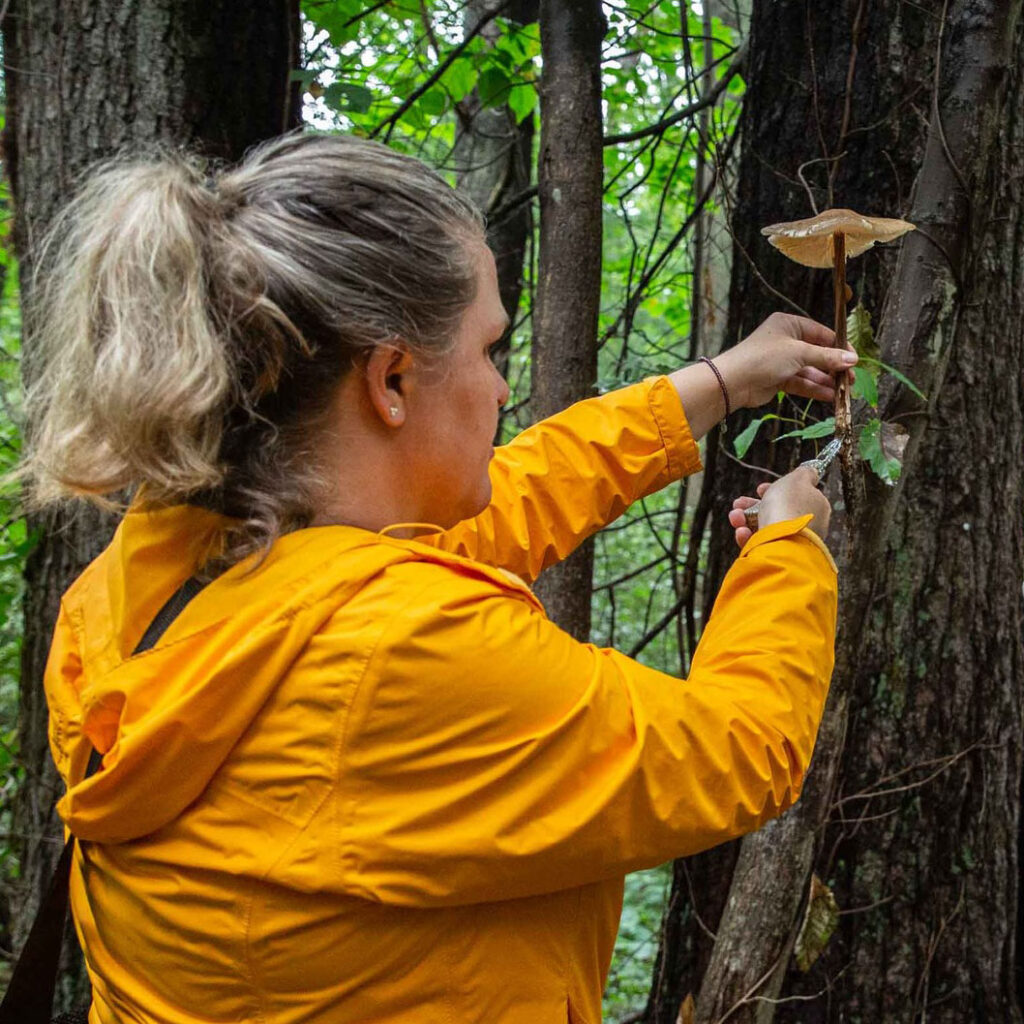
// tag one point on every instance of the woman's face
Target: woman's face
(453, 420)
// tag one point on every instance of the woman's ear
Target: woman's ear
(388, 382)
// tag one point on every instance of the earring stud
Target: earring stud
(394, 411)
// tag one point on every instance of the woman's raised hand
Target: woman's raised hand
(789, 497)
(786, 353)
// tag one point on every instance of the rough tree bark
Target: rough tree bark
(570, 173)
(929, 652)
(85, 80)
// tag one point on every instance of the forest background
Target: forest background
(627, 154)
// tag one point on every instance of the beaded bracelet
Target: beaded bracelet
(721, 384)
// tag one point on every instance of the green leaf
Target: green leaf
(459, 79)
(348, 96)
(745, 438)
(405, 10)
(860, 333)
(493, 87)
(742, 442)
(522, 42)
(415, 118)
(433, 102)
(522, 100)
(885, 466)
(865, 386)
(339, 19)
(822, 429)
(503, 57)
(902, 378)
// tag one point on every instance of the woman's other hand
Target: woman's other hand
(786, 353)
(789, 497)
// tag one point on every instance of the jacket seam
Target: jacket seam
(250, 962)
(571, 965)
(675, 466)
(670, 462)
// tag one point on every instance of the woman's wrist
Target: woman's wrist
(701, 397)
(728, 407)
(735, 379)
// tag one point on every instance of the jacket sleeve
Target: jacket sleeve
(568, 476)
(488, 755)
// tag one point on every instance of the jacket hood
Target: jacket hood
(166, 719)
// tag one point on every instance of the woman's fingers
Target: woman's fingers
(811, 331)
(831, 360)
(820, 377)
(737, 520)
(742, 502)
(816, 376)
(801, 387)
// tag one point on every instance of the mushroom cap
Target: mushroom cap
(810, 241)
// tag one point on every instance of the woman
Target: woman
(362, 777)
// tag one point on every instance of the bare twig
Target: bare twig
(708, 100)
(944, 764)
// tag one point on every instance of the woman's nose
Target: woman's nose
(503, 389)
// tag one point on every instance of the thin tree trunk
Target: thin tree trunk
(564, 356)
(85, 80)
(494, 163)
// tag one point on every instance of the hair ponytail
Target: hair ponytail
(134, 373)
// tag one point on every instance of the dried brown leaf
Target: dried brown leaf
(688, 1011)
(820, 920)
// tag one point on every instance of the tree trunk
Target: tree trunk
(494, 161)
(933, 653)
(84, 81)
(913, 561)
(570, 172)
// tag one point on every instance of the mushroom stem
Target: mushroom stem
(844, 425)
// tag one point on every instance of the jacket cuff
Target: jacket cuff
(667, 410)
(796, 528)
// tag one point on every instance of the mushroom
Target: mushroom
(810, 241)
(827, 240)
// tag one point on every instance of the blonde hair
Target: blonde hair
(192, 330)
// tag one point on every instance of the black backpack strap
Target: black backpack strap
(29, 996)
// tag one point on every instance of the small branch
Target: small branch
(944, 764)
(630, 575)
(514, 203)
(705, 101)
(390, 121)
(804, 182)
(847, 101)
(844, 424)
(636, 296)
(746, 465)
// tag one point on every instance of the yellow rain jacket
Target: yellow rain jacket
(371, 781)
